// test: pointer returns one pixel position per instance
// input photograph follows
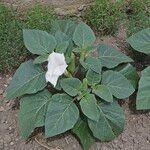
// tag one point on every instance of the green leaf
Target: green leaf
(89, 107)
(94, 64)
(83, 36)
(41, 59)
(61, 37)
(118, 85)
(111, 122)
(141, 41)
(130, 73)
(32, 112)
(62, 47)
(111, 57)
(39, 42)
(28, 79)
(82, 131)
(77, 50)
(91, 48)
(103, 92)
(62, 115)
(93, 77)
(71, 86)
(143, 95)
(65, 26)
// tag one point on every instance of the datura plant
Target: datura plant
(68, 87)
(141, 43)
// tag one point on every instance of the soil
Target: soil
(136, 135)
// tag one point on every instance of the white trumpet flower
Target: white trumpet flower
(56, 67)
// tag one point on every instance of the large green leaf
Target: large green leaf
(71, 86)
(62, 47)
(28, 79)
(141, 41)
(93, 77)
(62, 115)
(111, 57)
(38, 42)
(103, 92)
(143, 95)
(118, 85)
(65, 26)
(61, 37)
(32, 112)
(94, 64)
(130, 73)
(83, 35)
(89, 107)
(82, 131)
(111, 122)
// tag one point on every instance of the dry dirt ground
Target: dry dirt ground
(136, 135)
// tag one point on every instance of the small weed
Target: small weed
(138, 15)
(104, 16)
(40, 17)
(12, 51)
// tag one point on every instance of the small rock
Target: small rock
(2, 109)
(5, 85)
(115, 141)
(7, 76)
(10, 128)
(11, 143)
(1, 91)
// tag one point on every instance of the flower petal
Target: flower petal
(56, 67)
(60, 70)
(51, 78)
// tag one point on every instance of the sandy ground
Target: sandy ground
(136, 135)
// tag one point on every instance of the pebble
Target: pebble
(11, 143)
(7, 76)
(115, 141)
(10, 128)
(5, 85)
(1, 91)
(2, 109)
